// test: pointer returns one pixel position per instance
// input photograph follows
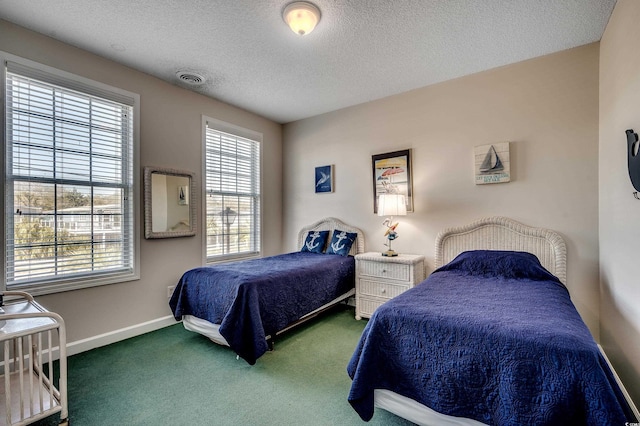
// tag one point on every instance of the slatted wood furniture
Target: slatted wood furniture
(29, 338)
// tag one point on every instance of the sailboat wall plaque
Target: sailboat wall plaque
(492, 163)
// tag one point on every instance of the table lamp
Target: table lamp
(391, 205)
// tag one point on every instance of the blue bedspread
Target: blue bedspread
(494, 337)
(256, 298)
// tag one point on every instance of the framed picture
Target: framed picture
(324, 179)
(492, 163)
(392, 175)
(183, 195)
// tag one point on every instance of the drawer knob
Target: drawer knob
(384, 290)
(384, 270)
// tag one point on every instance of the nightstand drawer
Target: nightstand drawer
(381, 289)
(368, 306)
(394, 271)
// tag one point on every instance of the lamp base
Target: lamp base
(389, 253)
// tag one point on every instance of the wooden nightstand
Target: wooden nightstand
(380, 278)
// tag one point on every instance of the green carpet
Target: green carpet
(176, 377)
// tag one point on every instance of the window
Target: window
(232, 187)
(69, 189)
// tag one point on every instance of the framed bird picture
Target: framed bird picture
(324, 179)
(392, 175)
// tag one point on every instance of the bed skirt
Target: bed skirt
(212, 331)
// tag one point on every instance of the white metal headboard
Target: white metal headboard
(330, 224)
(502, 233)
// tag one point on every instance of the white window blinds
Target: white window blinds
(232, 194)
(69, 179)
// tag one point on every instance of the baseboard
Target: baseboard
(622, 388)
(93, 342)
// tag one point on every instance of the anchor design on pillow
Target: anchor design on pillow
(339, 245)
(312, 244)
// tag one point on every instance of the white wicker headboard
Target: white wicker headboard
(501, 233)
(330, 224)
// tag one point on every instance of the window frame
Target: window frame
(55, 284)
(242, 132)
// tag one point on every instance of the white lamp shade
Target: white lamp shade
(391, 205)
(301, 16)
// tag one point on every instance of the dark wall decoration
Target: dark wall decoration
(633, 159)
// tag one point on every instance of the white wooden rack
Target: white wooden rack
(30, 337)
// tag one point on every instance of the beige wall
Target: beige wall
(547, 107)
(171, 136)
(619, 210)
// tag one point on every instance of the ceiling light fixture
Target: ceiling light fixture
(301, 16)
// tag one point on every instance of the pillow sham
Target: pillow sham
(498, 263)
(315, 241)
(341, 242)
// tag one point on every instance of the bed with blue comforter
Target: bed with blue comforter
(253, 299)
(491, 336)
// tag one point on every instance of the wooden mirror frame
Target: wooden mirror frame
(148, 202)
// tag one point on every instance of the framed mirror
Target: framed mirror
(169, 203)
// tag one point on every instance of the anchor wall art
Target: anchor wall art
(492, 163)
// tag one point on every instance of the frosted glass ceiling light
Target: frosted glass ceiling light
(301, 16)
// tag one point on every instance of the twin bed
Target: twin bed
(491, 337)
(245, 304)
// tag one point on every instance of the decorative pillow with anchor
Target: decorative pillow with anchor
(341, 242)
(315, 241)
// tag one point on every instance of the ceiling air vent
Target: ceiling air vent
(190, 78)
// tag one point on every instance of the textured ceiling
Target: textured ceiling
(361, 50)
